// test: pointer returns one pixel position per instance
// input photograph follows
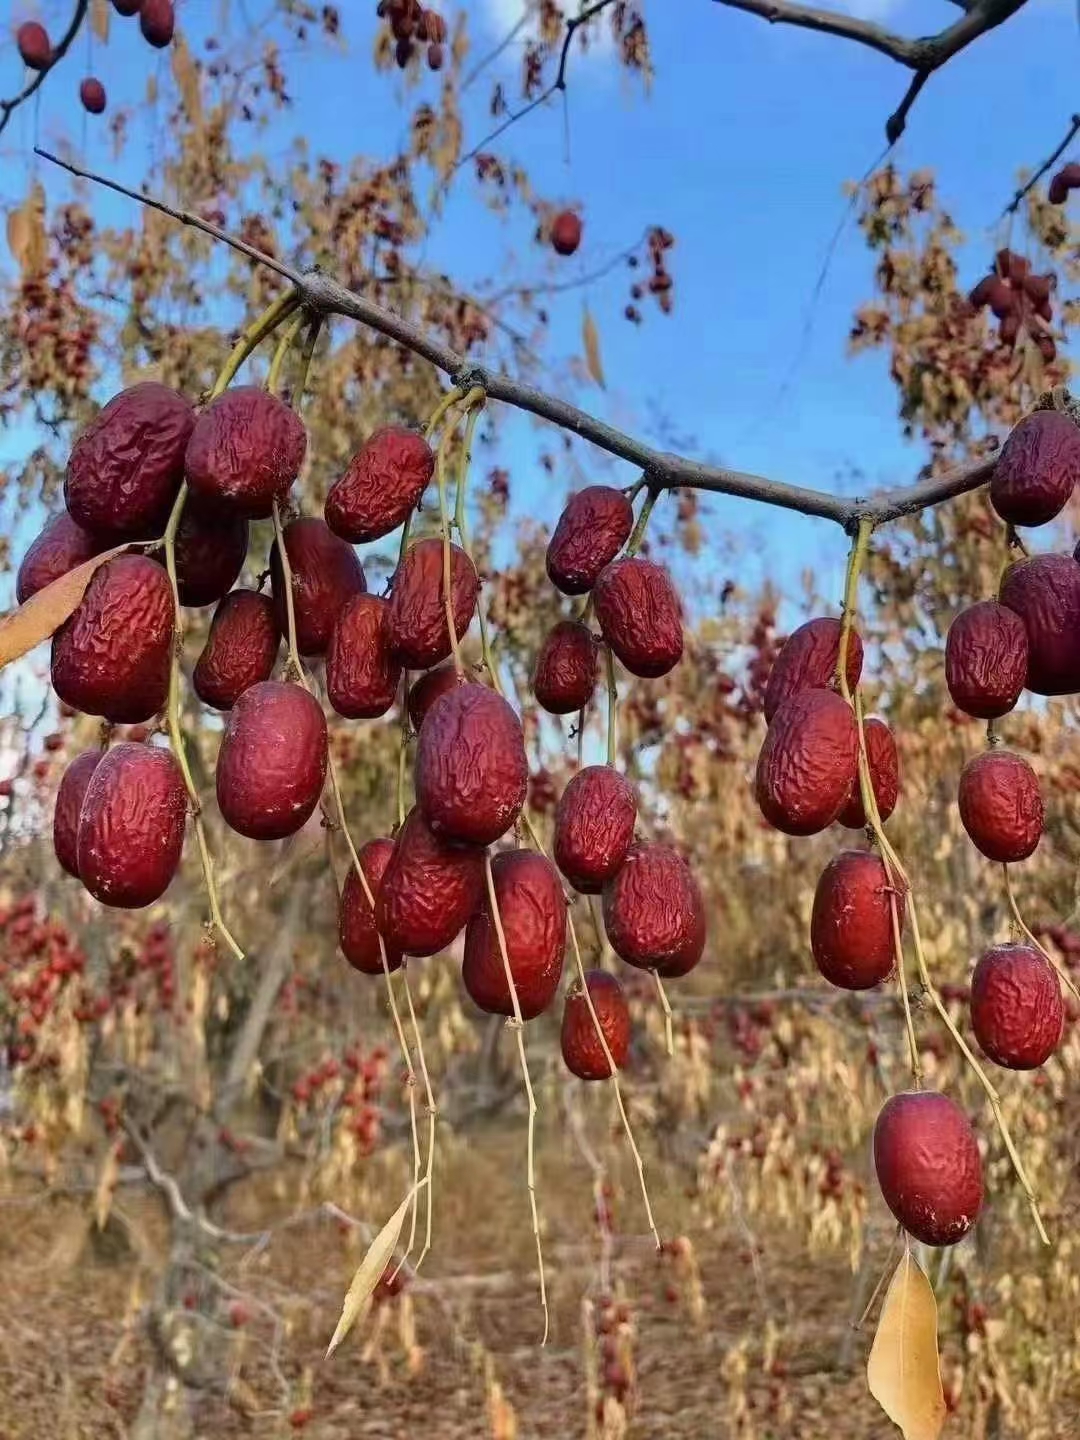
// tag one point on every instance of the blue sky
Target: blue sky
(741, 150)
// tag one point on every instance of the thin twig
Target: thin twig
(518, 1026)
(1051, 160)
(60, 49)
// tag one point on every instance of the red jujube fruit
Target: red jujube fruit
(592, 529)
(272, 762)
(565, 675)
(884, 765)
(112, 657)
(654, 913)
(928, 1166)
(326, 572)
(1037, 468)
(808, 763)
(131, 826)
(851, 930)
(57, 550)
(418, 625)
(429, 890)
(126, 467)
(358, 933)
(1045, 592)
(986, 659)
(1000, 805)
(69, 798)
(471, 767)
(381, 487)
(808, 661)
(594, 827)
(245, 451)
(240, 651)
(640, 616)
(362, 671)
(532, 909)
(582, 1051)
(1017, 1012)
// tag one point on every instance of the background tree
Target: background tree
(141, 1052)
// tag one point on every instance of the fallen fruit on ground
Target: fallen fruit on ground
(928, 1166)
(582, 1050)
(1017, 1011)
(131, 826)
(532, 909)
(272, 762)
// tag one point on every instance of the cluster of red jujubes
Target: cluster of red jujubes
(120, 812)
(412, 27)
(1019, 301)
(652, 906)
(157, 21)
(925, 1150)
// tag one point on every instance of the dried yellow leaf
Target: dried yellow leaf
(99, 19)
(358, 1300)
(44, 613)
(591, 340)
(186, 74)
(904, 1372)
(106, 1187)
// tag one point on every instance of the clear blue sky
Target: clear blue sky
(741, 150)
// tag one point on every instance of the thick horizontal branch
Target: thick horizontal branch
(323, 295)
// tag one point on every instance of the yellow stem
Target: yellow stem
(1015, 908)
(517, 1024)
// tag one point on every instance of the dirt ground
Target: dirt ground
(72, 1364)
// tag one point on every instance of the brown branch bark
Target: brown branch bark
(1055, 155)
(924, 55)
(322, 295)
(8, 107)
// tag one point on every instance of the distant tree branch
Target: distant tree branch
(323, 295)
(8, 107)
(923, 55)
(1050, 161)
(573, 25)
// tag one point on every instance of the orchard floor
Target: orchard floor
(67, 1371)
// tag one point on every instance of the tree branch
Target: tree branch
(923, 55)
(1051, 160)
(275, 971)
(7, 107)
(323, 295)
